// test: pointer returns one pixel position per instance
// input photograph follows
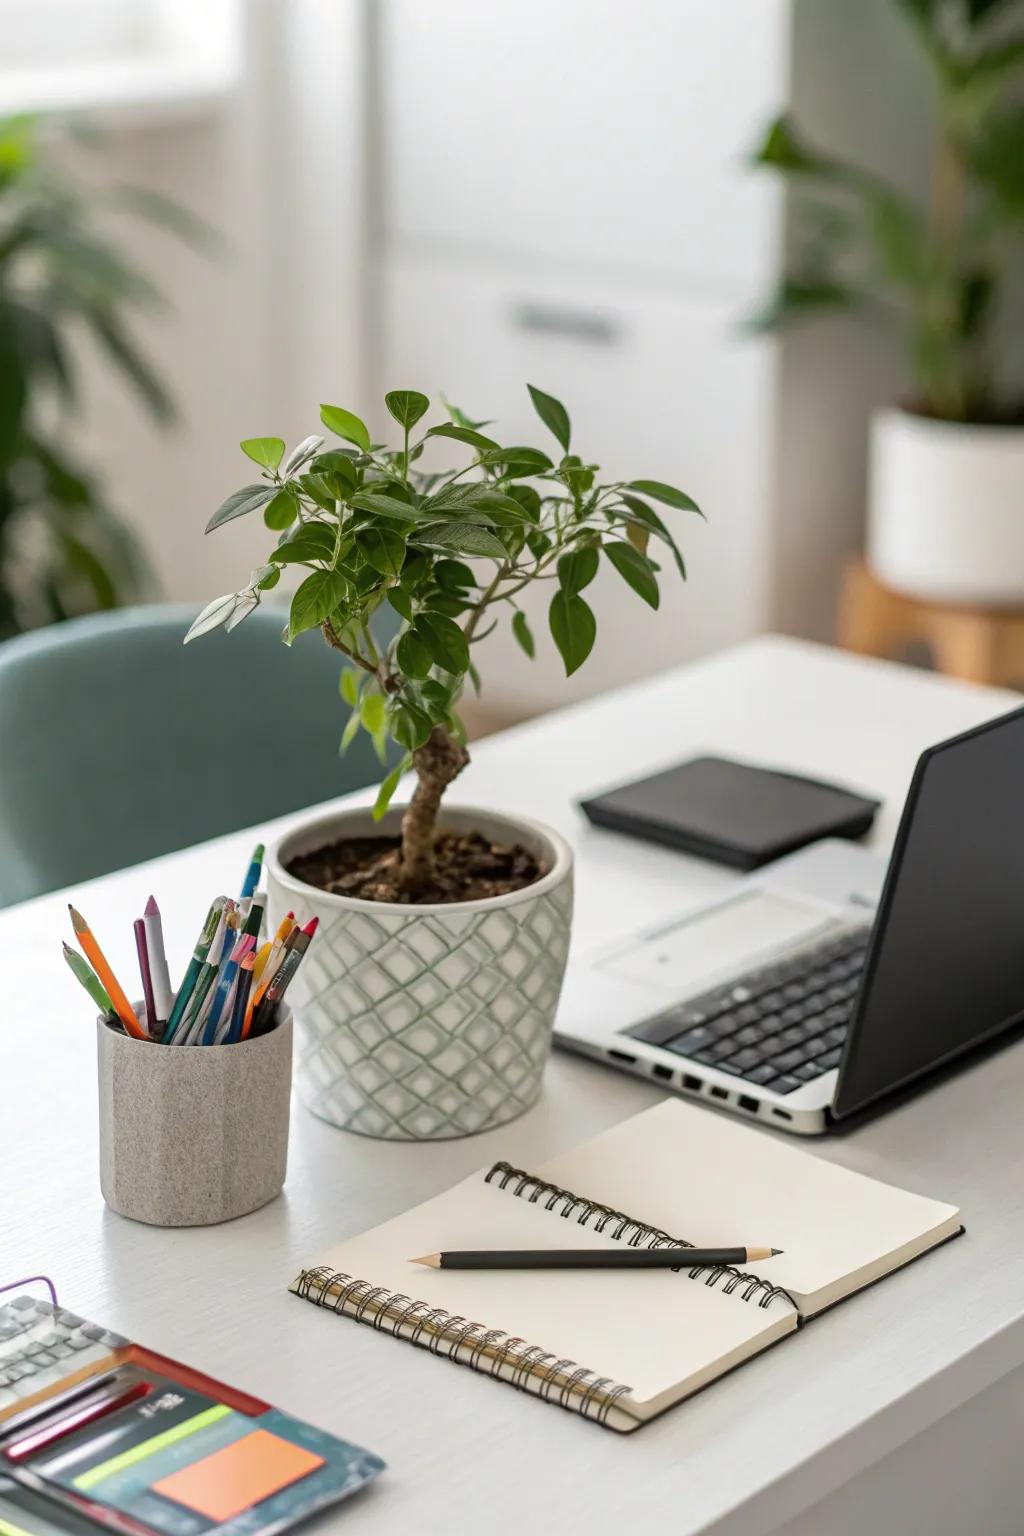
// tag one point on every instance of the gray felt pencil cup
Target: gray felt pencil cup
(193, 1135)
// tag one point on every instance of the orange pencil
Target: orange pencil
(122, 1007)
(286, 926)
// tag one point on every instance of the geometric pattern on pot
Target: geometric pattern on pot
(426, 1025)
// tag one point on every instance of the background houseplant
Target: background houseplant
(430, 994)
(62, 549)
(947, 483)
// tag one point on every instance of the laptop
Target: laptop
(830, 979)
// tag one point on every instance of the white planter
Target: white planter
(946, 510)
(417, 1023)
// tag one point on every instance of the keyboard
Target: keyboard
(40, 1344)
(779, 1026)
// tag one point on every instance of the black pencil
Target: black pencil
(592, 1258)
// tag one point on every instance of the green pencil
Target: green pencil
(195, 965)
(84, 973)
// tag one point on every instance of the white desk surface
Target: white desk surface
(464, 1453)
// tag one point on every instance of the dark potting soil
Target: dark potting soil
(468, 867)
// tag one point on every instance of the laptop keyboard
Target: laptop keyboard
(779, 1026)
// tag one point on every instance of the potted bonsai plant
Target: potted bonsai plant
(946, 513)
(425, 1007)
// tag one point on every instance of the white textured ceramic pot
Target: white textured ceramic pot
(946, 509)
(418, 1023)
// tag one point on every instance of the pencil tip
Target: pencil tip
(151, 909)
(428, 1260)
(258, 852)
(77, 920)
(777, 1250)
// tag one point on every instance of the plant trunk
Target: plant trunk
(440, 760)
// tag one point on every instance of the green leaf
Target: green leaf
(463, 435)
(413, 655)
(249, 499)
(401, 602)
(635, 570)
(518, 461)
(666, 493)
(213, 616)
(372, 712)
(410, 726)
(437, 700)
(382, 548)
(501, 508)
(387, 789)
(463, 538)
(444, 641)
(343, 424)
(528, 498)
(523, 633)
(646, 517)
(350, 732)
(348, 686)
(338, 463)
(313, 541)
(577, 569)
(265, 451)
(553, 414)
(267, 577)
(382, 505)
(315, 600)
(573, 628)
(281, 511)
(782, 150)
(407, 406)
(323, 489)
(300, 454)
(453, 576)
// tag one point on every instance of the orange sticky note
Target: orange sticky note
(238, 1476)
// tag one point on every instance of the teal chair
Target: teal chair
(118, 743)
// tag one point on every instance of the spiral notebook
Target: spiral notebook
(615, 1346)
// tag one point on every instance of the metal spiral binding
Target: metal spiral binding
(626, 1229)
(488, 1350)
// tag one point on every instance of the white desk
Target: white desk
(928, 1354)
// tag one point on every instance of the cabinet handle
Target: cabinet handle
(587, 326)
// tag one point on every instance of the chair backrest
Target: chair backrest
(118, 743)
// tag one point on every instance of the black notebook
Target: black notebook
(733, 813)
(622, 1346)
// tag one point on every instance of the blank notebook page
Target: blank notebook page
(661, 1333)
(714, 1182)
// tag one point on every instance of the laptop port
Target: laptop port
(718, 1093)
(693, 1083)
(657, 1070)
(623, 1056)
(749, 1104)
(782, 1114)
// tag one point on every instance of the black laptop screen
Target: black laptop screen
(945, 967)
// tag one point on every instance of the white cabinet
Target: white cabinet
(563, 198)
(602, 133)
(662, 387)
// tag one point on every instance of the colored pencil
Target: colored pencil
(122, 1007)
(298, 942)
(254, 917)
(262, 956)
(252, 874)
(244, 986)
(207, 976)
(146, 973)
(162, 992)
(99, 1406)
(84, 973)
(224, 984)
(195, 965)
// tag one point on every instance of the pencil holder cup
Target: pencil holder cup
(193, 1135)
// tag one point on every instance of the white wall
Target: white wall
(259, 334)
